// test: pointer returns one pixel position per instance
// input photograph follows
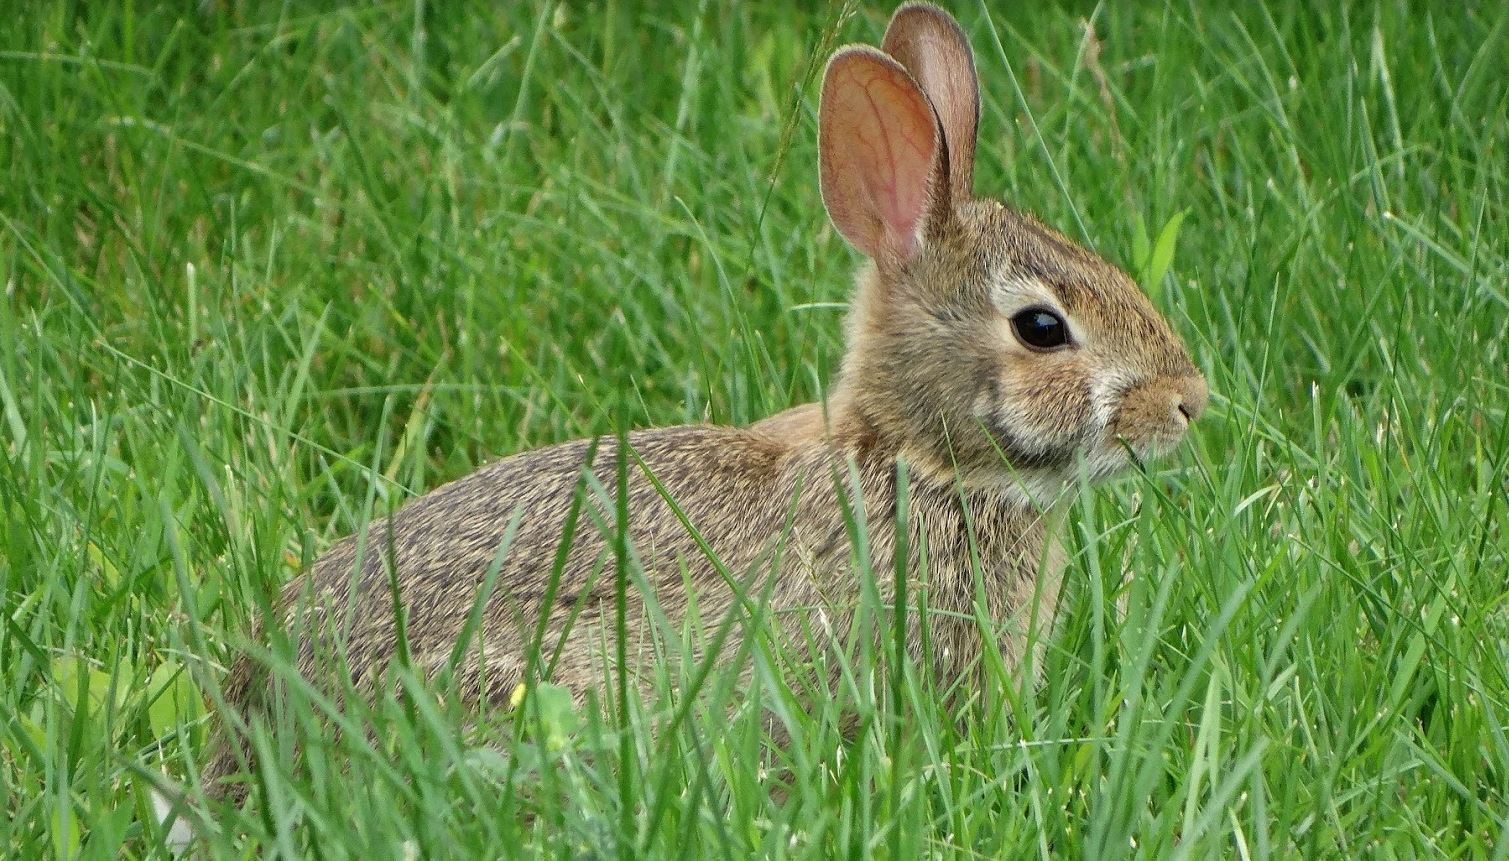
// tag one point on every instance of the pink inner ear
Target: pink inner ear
(895, 157)
(879, 142)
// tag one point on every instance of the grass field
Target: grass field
(269, 268)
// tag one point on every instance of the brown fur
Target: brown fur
(991, 432)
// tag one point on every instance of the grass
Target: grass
(269, 268)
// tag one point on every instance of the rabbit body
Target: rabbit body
(767, 507)
(995, 358)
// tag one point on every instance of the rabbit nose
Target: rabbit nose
(1190, 397)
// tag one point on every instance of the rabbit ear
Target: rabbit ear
(880, 154)
(933, 48)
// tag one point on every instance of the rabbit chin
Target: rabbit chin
(1044, 487)
(1117, 454)
(1093, 464)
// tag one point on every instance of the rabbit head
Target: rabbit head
(982, 345)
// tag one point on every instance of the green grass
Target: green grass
(268, 269)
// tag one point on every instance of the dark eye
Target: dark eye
(1040, 329)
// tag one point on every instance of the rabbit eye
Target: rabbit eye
(1040, 329)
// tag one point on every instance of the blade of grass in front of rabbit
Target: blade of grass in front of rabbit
(901, 562)
(626, 782)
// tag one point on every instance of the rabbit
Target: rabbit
(994, 357)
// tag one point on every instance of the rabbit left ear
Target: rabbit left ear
(880, 155)
(929, 43)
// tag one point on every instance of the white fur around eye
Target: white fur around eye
(1012, 294)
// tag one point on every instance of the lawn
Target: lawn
(270, 269)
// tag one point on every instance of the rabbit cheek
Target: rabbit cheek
(1106, 394)
(1037, 410)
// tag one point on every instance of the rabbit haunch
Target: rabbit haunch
(935, 375)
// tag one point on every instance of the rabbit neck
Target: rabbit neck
(856, 432)
(971, 538)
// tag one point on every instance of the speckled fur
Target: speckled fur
(990, 430)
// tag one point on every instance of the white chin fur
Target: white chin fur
(1112, 458)
(1107, 461)
(180, 835)
(1039, 489)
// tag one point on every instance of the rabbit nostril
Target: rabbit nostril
(1191, 398)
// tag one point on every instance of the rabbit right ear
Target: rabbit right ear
(881, 159)
(933, 47)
